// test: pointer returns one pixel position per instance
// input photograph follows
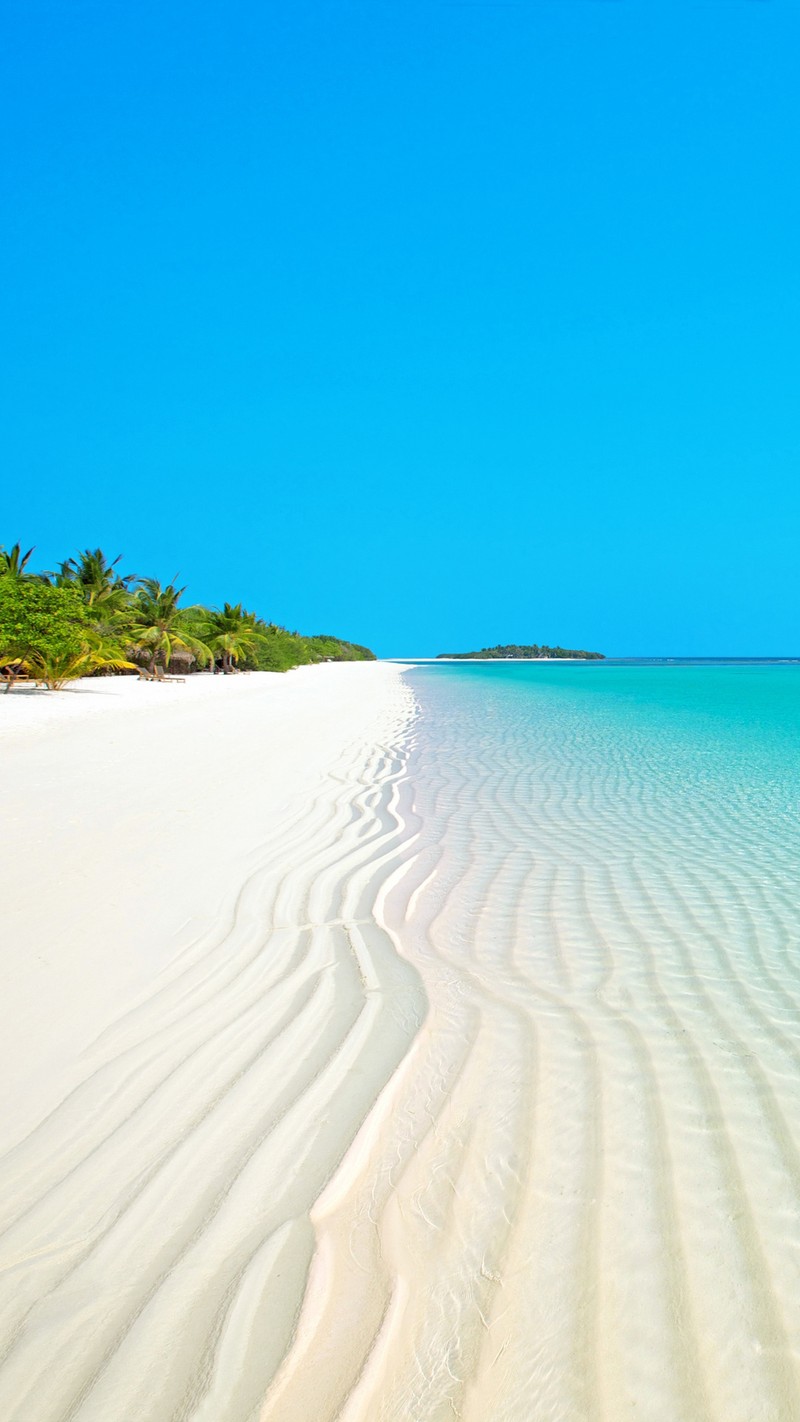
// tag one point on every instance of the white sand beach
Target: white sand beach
(374, 1059)
(199, 1009)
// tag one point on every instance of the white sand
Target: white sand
(199, 1009)
(330, 1099)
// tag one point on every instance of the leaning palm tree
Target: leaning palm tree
(159, 626)
(232, 635)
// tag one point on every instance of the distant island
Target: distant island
(533, 653)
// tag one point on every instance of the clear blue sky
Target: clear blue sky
(429, 324)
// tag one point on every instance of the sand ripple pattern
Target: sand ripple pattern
(156, 1227)
(488, 1109)
(578, 1199)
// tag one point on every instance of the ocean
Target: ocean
(605, 1218)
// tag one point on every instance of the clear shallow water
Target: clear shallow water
(610, 936)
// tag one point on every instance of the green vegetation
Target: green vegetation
(532, 653)
(48, 633)
(160, 629)
(13, 564)
(86, 618)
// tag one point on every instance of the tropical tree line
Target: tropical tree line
(86, 618)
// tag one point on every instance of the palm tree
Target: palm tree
(13, 564)
(232, 635)
(159, 627)
(58, 666)
(102, 587)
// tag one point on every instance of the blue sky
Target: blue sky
(431, 325)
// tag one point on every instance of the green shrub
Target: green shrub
(49, 632)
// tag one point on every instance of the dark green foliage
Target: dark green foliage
(524, 654)
(333, 649)
(279, 650)
(35, 617)
(43, 630)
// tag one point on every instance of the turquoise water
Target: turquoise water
(612, 920)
